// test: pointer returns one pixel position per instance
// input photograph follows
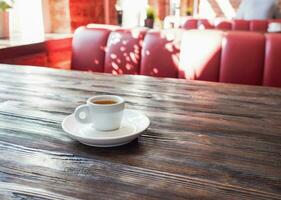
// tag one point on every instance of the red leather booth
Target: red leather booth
(272, 69)
(190, 24)
(241, 25)
(200, 60)
(88, 48)
(205, 24)
(259, 25)
(123, 51)
(237, 24)
(160, 54)
(240, 57)
(223, 25)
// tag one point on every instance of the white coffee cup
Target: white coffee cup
(105, 112)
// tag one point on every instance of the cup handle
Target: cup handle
(82, 114)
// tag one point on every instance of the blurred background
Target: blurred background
(64, 16)
(49, 24)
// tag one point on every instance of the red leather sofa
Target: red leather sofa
(237, 25)
(231, 57)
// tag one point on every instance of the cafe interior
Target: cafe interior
(140, 99)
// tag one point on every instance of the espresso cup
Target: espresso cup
(105, 112)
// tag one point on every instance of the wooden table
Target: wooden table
(206, 140)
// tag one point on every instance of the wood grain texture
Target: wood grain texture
(206, 140)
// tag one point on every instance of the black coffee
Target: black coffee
(105, 102)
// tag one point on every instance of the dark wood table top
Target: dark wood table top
(206, 140)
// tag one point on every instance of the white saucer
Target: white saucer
(132, 125)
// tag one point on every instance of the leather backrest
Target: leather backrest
(123, 52)
(200, 55)
(223, 25)
(272, 71)
(259, 25)
(160, 54)
(240, 25)
(190, 24)
(88, 48)
(242, 58)
(205, 24)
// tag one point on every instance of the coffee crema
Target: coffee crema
(105, 102)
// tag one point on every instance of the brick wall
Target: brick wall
(67, 15)
(83, 12)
